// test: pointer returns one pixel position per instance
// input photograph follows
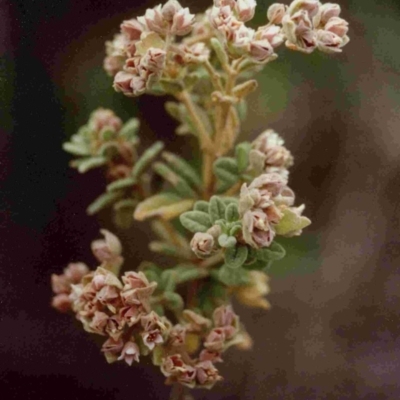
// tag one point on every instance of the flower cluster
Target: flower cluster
(262, 205)
(269, 155)
(105, 141)
(229, 17)
(200, 371)
(308, 25)
(61, 285)
(137, 57)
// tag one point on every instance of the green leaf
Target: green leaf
(216, 209)
(121, 184)
(242, 156)
(130, 128)
(183, 168)
(272, 253)
(158, 355)
(78, 149)
(174, 301)
(177, 182)
(227, 241)
(146, 159)
(103, 201)
(226, 169)
(109, 150)
(168, 280)
(90, 163)
(196, 221)
(219, 51)
(257, 265)
(291, 222)
(235, 257)
(242, 109)
(174, 110)
(232, 213)
(233, 276)
(186, 273)
(201, 205)
(125, 203)
(169, 249)
(244, 89)
(164, 205)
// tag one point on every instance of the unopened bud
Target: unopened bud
(275, 13)
(202, 244)
(245, 9)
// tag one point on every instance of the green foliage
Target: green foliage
(196, 221)
(146, 159)
(242, 151)
(233, 276)
(272, 253)
(103, 201)
(227, 171)
(183, 168)
(235, 257)
(216, 209)
(179, 184)
(232, 212)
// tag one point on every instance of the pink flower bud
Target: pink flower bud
(272, 33)
(182, 22)
(257, 232)
(300, 32)
(98, 323)
(207, 374)
(108, 250)
(170, 8)
(122, 83)
(137, 289)
(338, 26)
(61, 302)
(177, 336)
(115, 325)
(154, 21)
(271, 183)
(132, 29)
(215, 340)
(207, 355)
(240, 35)
(130, 353)
(245, 9)
(60, 284)
(260, 50)
(76, 271)
(202, 244)
(131, 314)
(326, 12)
(177, 371)
(275, 13)
(104, 119)
(220, 16)
(309, 6)
(225, 318)
(154, 60)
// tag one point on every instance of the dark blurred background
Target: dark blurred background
(333, 330)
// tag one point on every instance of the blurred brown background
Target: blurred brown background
(333, 331)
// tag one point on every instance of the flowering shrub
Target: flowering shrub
(236, 207)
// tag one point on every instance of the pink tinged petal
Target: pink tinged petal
(260, 50)
(122, 83)
(152, 338)
(130, 353)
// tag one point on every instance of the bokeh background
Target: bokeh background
(333, 331)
